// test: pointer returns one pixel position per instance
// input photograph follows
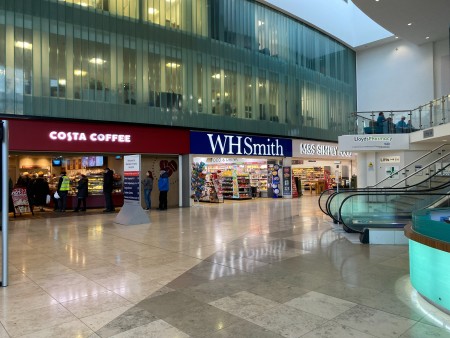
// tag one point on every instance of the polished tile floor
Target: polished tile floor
(260, 268)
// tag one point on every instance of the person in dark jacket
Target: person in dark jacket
(163, 186)
(40, 190)
(147, 184)
(108, 180)
(82, 193)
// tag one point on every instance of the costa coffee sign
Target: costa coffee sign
(83, 137)
(94, 137)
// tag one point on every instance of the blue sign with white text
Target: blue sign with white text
(242, 145)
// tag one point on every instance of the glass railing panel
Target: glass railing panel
(386, 210)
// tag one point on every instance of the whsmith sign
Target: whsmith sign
(242, 145)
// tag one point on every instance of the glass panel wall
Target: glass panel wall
(216, 64)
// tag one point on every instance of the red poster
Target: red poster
(20, 200)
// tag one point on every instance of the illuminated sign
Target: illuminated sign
(93, 137)
(320, 149)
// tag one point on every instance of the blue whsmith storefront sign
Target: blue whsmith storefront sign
(241, 145)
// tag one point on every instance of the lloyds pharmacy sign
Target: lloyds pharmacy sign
(230, 144)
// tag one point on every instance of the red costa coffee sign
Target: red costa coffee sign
(38, 135)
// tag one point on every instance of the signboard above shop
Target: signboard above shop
(239, 145)
(316, 150)
(101, 137)
(374, 142)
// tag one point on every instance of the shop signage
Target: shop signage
(390, 159)
(322, 150)
(229, 144)
(98, 137)
(73, 136)
(132, 169)
(375, 142)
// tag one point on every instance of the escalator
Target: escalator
(391, 207)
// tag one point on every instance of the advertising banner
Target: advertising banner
(131, 175)
(20, 200)
(287, 184)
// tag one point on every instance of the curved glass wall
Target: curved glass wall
(211, 64)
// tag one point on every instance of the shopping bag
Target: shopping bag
(47, 199)
(56, 195)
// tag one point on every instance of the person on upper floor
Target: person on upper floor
(401, 125)
(380, 123)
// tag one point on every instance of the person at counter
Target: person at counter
(63, 190)
(40, 191)
(82, 193)
(108, 181)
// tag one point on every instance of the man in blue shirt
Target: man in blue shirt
(401, 125)
(163, 186)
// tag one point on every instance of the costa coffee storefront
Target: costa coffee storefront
(46, 148)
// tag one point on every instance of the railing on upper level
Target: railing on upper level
(429, 115)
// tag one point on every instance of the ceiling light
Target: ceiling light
(216, 76)
(396, 37)
(410, 24)
(79, 72)
(427, 37)
(62, 82)
(152, 11)
(97, 61)
(260, 23)
(23, 44)
(172, 65)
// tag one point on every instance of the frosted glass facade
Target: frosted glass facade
(209, 64)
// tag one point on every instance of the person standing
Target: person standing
(63, 190)
(380, 123)
(82, 193)
(108, 181)
(401, 125)
(163, 186)
(40, 190)
(147, 184)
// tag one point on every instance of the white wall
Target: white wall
(441, 68)
(395, 76)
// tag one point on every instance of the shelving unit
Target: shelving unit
(236, 186)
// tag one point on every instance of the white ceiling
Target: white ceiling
(428, 17)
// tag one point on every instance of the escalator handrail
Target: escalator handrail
(415, 161)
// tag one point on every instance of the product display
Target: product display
(236, 186)
(213, 189)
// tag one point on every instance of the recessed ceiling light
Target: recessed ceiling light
(396, 37)
(410, 24)
(427, 37)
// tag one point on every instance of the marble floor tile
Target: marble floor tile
(375, 322)
(320, 304)
(420, 330)
(244, 304)
(156, 329)
(332, 329)
(27, 322)
(99, 320)
(93, 304)
(287, 321)
(74, 328)
(242, 328)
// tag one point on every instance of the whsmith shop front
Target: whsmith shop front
(240, 167)
(47, 148)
